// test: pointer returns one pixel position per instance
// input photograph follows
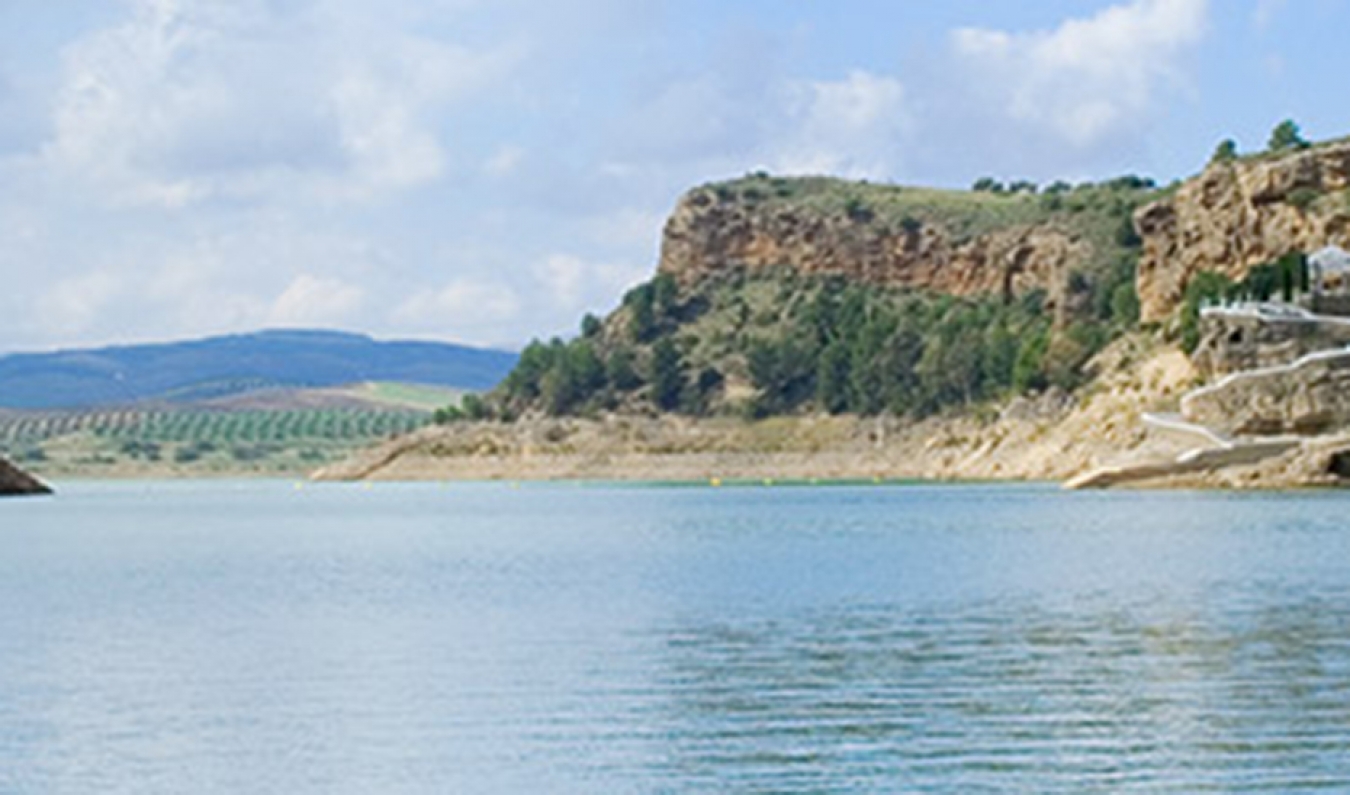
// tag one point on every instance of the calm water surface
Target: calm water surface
(258, 638)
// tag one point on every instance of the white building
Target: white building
(1330, 266)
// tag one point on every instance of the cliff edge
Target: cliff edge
(1238, 214)
(866, 238)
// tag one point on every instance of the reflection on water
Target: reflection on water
(257, 638)
(999, 698)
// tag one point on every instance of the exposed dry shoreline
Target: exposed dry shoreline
(1050, 438)
(1054, 437)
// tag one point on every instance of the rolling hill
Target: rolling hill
(220, 367)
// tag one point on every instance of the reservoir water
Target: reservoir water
(260, 638)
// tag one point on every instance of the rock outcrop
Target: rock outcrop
(1239, 214)
(15, 482)
(1310, 396)
(712, 232)
(1234, 341)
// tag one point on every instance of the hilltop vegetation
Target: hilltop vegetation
(1096, 210)
(1097, 213)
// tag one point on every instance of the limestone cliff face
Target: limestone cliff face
(1237, 215)
(15, 482)
(709, 234)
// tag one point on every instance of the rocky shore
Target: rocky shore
(15, 482)
(1051, 437)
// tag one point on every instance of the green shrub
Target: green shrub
(1302, 198)
(1225, 152)
(1206, 287)
(1285, 137)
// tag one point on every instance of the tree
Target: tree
(1285, 137)
(559, 388)
(1027, 369)
(590, 325)
(1125, 305)
(665, 294)
(586, 367)
(642, 315)
(1225, 152)
(783, 372)
(535, 360)
(1063, 361)
(1288, 280)
(832, 378)
(667, 375)
(1206, 286)
(857, 210)
(620, 372)
(475, 408)
(694, 396)
(1000, 355)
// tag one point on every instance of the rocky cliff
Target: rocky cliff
(950, 242)
(15, 482)
(1239, 214)
(707, 234)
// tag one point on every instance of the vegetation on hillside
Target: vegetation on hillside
(1286, 278)
(294, 439)
(776, 344)
(779, 342)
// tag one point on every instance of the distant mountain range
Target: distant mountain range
(222, 366)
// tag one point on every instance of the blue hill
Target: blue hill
(220, 366)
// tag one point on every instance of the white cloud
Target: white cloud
(562, 276)
(629, 229)
(572, 283)
(462, 302)
(855, 127)
(193, 100)
(314, 300)
(1089, 79)
(74, 304)
(449, 167)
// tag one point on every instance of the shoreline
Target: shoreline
(1106, 435)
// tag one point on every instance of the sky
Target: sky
(486, 172)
